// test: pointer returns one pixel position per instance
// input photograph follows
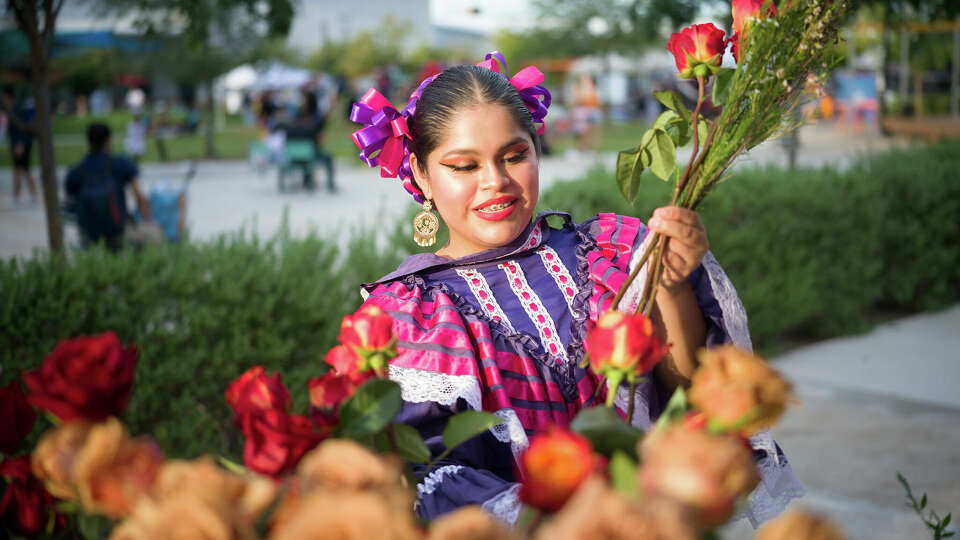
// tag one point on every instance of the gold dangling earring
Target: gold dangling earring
(425, 226)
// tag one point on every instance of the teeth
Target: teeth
(496, 207)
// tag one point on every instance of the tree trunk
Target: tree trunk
(211, 113)
(48, 163)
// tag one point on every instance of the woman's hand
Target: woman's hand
(687, 246)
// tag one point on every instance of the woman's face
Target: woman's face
(483, 179)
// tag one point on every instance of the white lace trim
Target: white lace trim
(535, 309)
(631, 299)
(429, 484)
(417, 386)
(511, 431)
(505, 505)
(561, 276)
(484, 295)
(734, 316)
(778, 486)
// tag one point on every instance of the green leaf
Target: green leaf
(923, 501)
(370, 409)
(703, 130)
(721, 86)
(623, 473)
(946, 521)
(666, 118)
(674, 102)
(676, 409)
(410, 445)
(91, 526)
(663, 155)
(466, 425)
(606, 431)
(628, 161)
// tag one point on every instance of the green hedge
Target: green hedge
(816, 252)
(812, 252)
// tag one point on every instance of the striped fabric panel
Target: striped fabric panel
(609, 263)
(484, 295)
(536, 311)
(561, 276)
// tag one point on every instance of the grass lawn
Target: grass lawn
(233, 139)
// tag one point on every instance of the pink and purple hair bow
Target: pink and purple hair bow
(385, 139)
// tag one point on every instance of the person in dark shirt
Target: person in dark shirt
(97, 189)
(21, 144)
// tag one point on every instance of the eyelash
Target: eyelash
(519, 157)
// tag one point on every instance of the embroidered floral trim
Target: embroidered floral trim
(535, 309)
(734, 315)
(561, 276)
(484, 295)
(433, 480)
(417, 386)
(505, 505)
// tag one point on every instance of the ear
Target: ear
(421, 178)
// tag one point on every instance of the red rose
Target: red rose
(16, 417)
(697, 49)
(624, 342)
(370, 329)
(554, 466)
(89, 377)
(744, 10)
(276, 441)
(25, 506)
(344, 360)
(255, 391)
(328, 392)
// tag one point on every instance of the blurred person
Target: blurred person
(586, 112)
(21, 144)
(96, 190)
(135, 141)
(305, 127)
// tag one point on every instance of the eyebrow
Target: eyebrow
(469, 151)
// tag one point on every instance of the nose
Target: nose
(495, 177)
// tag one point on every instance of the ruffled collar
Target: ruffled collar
(531, 238)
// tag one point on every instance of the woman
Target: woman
(495, 319)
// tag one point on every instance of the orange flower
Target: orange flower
(250, 493)
(554, 466)
(188, 516)
(737, 390)
(342, 463)
(346, 515)
(52, 460)
(706, 473)
(799, 525)
(469, 523)
(113, 470)
(697, 50)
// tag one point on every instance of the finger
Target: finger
(672, 272)
(684, 215)
(689, 235)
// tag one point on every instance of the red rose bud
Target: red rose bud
(25, 506)
(553, 467)
(345, 360)
(369, 332)
(327, 393)
(88, 378)
(16, 417)
(624, 342)
(697, 49)
(276, 441)
(744, 10)
(255, 391)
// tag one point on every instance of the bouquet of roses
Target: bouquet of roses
(782, 56)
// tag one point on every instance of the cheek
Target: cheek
(450, 193)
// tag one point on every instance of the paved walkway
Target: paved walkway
(872, 405)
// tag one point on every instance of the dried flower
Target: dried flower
(469, 523)
(345, 515)
(737, 390)
(706, 473)
(799, 525)
(52, 459)
(341, 463)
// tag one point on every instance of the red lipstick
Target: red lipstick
(498, 214)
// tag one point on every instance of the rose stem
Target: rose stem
(633, 396)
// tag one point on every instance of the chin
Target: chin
(500, 233)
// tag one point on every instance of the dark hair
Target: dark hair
(455, 89)
(97, 135)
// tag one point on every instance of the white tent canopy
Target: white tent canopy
(240, 78)
(279, 76)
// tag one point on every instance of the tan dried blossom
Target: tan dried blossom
(341, 463)
(706, 473)
(345, 515)
(736, 389)
(597, 512)
(470, 523)
(798, 524)
(188, 516)
(52, 459)
(113, 470)
(251, 493)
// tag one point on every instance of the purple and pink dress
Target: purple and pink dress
(502, 331)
